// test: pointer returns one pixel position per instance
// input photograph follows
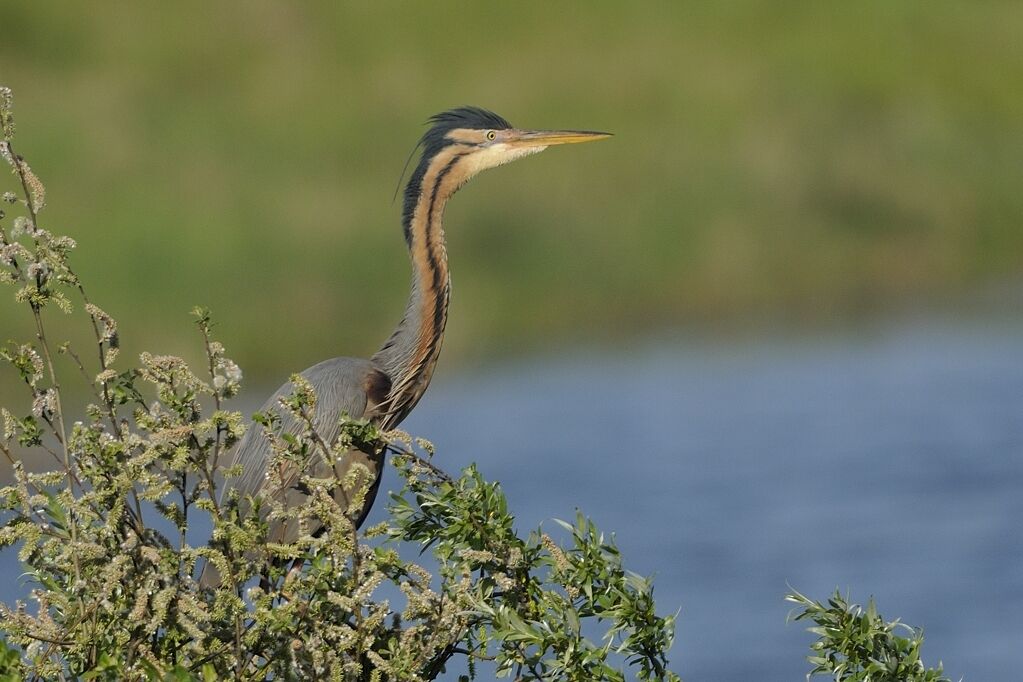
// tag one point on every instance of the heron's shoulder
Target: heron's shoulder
(350, 374)
(338, 367)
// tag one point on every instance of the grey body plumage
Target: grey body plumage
(341, 389)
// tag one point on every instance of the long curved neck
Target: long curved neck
(410, 354)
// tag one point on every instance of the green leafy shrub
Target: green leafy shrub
(855, 644)
(104, 537)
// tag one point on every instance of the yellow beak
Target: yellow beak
(546, 138)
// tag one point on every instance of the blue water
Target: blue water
(885, 462)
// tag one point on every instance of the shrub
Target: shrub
(857, 645)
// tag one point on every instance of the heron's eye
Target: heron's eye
(491, 135)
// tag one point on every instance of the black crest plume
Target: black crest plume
(433, 140)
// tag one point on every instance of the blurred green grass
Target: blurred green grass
(804, 160)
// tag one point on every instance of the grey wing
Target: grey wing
(343, 386)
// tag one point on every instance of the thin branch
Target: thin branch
(33, 210)
(216, 394)
(400, 451)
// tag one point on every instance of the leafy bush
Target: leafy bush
(857, 645)
(104, 536)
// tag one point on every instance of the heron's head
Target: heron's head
(464, 141)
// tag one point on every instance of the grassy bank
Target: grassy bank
(800, 158)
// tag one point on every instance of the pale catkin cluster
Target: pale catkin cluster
(104, 536)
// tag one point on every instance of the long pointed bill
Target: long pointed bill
(547, 138)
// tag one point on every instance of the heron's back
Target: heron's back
(344, 386)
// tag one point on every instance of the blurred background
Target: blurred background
(768, 334)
